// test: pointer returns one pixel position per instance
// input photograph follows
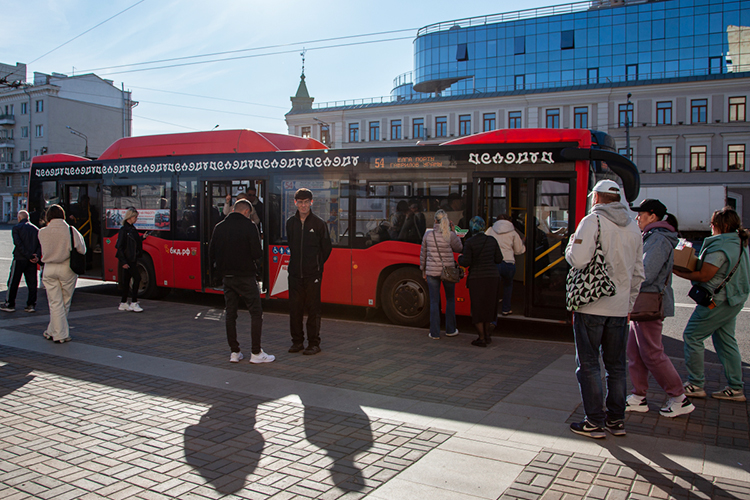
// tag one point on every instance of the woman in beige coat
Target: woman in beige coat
(58, 278)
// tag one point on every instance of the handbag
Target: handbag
(649, 306)
(77, 260)
(451, 274)
(590, 283)
(703, 296)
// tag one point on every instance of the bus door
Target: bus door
(507, 197)
(546, 242)
(82, 203)
(220, 196)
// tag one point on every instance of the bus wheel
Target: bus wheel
(148, 288)
(406, 300)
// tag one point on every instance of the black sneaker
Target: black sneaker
(615, 427)
(313, 349)
(586, 428)
(297, 348)
(7, 307)
(29, 309)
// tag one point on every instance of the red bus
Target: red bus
(377, 202)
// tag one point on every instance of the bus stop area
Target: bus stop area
(148, 406)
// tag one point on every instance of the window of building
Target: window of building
(488, 122)
(24, 156)
(664, 113)
(354, 132)
(715, 65)
(24, 108)
(8, 181)
(631, 72)
(24, 131)
(627, 153)
(395, 129)
(520, 82)
(39, 106)
(553, 118)
(325, 134)
(306, 132)
(625, 114)
(737, 109)
(24, 181)
(417, 128)
(698, 158)
(699, 110)
(519, 45)
(581, 117)
(39, 131)
(736, 157)
(593, 75)
(462, 52)
(441, 126)
(464, 124)
(567, 39)
(664, 159)
(374, 131)
(514, 119)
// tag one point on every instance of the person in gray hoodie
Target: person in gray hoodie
(510, 245)
(601, 326)
(645, 348)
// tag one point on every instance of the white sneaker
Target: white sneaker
(452, 334)
(236, 357)
(135, 307)
(636, 403)
(262, 357)
(674, 407)
(124, 307)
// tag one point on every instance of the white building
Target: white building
(56, 113)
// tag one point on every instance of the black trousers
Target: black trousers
(246, 289)
(304, 297)
(22, 267)
(131, 273)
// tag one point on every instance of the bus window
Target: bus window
(330, 203)
(186, 211)
(151, 201)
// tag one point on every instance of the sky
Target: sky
(149, 47)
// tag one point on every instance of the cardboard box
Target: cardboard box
(685, 259)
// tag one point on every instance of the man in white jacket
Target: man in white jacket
(602, 325)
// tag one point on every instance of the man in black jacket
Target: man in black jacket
(25, 258)
(309, 247)
(233, 250)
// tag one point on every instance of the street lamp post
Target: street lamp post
(81, 135)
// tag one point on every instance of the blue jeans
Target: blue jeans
(433, 284)
(608, 335)
(507, 273)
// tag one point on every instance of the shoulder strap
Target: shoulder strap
(438, 247)
(72, 243)
(728, 277)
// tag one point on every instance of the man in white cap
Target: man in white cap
(602, 325)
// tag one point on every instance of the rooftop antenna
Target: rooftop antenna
(304, 51)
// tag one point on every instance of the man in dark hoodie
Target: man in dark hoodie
(309, 248)
(602, 325)
(25, 259)
(233, 250)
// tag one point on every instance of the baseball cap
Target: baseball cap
(606, 186)
(653, 206)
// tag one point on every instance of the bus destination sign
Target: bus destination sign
(416, 161)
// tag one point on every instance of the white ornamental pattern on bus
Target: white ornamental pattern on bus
(511, 158)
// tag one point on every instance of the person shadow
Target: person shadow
(13, 377)
(226, 446)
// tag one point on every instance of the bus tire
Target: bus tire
(406, 299)
(148, 288)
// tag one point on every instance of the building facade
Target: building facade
(56, 113)
(668, 79)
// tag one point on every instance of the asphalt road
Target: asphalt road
(673, 327)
